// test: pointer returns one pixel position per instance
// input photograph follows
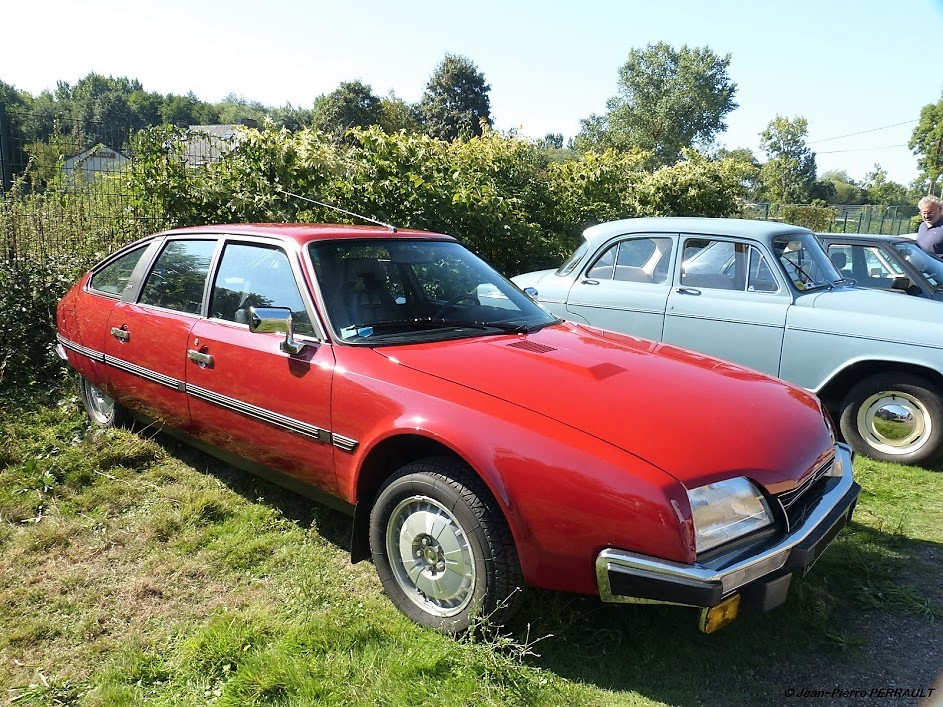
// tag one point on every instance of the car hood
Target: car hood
(875, 314)
(695, 417)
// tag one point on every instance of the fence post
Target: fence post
(881, 227)
(844, 226)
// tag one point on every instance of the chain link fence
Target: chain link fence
(838, 218)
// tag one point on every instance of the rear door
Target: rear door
(625, 287)
(146, 340)
(729, 303)
(248, 396)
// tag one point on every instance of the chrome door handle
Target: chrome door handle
(687, 290)
(589, 282)
(200, 358)
(122, 334)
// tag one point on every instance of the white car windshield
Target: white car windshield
(806, 265)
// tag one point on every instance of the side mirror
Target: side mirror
(275, 320)
(531, 292)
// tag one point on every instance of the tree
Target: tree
(396, 114)
(455, 100)
(880, 190)
(351, 105)
(926, 142)
(846, 189)
(789, 175)
(667, 100)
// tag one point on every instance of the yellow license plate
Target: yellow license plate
(714, 618)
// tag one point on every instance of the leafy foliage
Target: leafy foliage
(926, 141)
(669, 99)
(352, 104)
(455, 100)
(789, 175)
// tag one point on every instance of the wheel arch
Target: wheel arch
(390, 454)
(834, 390)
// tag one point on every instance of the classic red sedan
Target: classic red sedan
(481, 444)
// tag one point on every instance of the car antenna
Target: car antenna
(337, 208)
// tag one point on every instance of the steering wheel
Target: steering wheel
(471, 296)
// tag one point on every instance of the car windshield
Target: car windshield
(393, 291)
(573, 260)
(930, 267)
(805, 263)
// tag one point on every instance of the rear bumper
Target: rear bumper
(762, 573)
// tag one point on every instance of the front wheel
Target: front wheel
(442, 547)
(103, 411)
(894, 417)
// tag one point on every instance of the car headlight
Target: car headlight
(727, 510)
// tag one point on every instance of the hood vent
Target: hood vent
(531, 346)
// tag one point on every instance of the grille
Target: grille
(531, 346)
(797, 503)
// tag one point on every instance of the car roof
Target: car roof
(746, 228)
(903, 237)
(306, 232)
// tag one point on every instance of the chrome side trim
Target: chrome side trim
(344, 443)
(734, 575)
(60, 352)
(253, 411)
(79, 349)
(145, 373)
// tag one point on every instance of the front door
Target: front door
(246, 394)
(728, 303)
(626, 286)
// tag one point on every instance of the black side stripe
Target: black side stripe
(145, 373)
(273, 418)
(79, 349)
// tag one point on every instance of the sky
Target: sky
(850, 68)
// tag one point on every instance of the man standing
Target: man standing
(930, 234)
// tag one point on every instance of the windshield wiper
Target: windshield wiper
(421, 323)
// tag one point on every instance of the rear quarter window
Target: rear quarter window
(113, 278)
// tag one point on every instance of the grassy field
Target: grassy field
(134, 570)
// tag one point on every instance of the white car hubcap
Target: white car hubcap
(430, 556)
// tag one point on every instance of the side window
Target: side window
(179, 275)
(643, 260)
(256, 276)
(761, 277)
(841, 256)
(719, 265)
(114, 277)
(879, 265)
(602, 268)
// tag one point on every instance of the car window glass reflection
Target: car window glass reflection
(256, 276)
(113, 278)
(178, 278)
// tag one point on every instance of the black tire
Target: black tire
(102, 410)
(896, 417)
(484, 585)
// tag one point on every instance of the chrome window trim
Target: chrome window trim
(783, 292)
(730, 577)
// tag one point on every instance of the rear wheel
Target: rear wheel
(442, 547)
(103, 411)
(894, 417)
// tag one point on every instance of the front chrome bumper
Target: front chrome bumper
(630, 577)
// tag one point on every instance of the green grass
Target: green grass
(137, 571)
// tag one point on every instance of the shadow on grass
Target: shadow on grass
(333, 525)
(865, 617)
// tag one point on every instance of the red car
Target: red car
(481, 444)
